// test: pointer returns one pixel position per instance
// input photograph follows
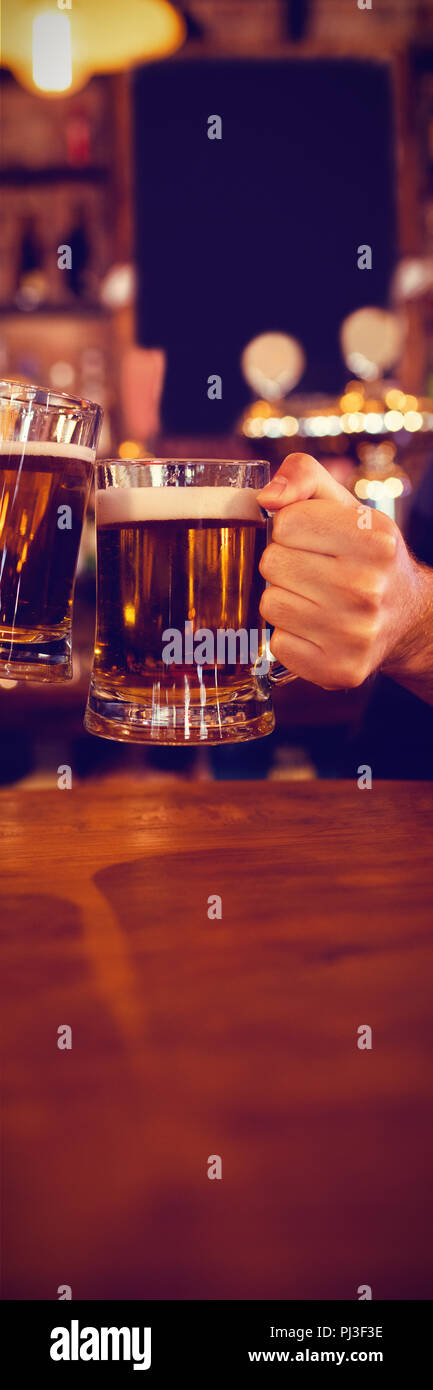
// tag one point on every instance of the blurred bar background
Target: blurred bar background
(185, 249)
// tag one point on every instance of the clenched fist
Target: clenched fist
(345, 595)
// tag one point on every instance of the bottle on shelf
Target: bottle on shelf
(31, 281)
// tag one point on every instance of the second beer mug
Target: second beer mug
(181, 650)
(47, 447)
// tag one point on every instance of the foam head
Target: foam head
(117, 506)
(46, 448)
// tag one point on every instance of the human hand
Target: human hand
(345, 596)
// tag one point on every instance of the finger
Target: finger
(293, 613)
(332, 626)
(320, 526)
(298, 655)
(310, 576)
(300, 477)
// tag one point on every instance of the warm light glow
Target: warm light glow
(362, 366)
(260, 420)
(394, 420)
(118, 287)
(372, 340)
(272, 364)
(55, 49)
(130, 449)
(255, 429)
(393, 486)
(373, 423)
(51, 52)
(375, 489)
(290, 424)
(274, 429)
(62, 375)
(129, 614)
(378, 489)
(261, 409)
(319, 425)
(411, 403)
(412, 421)
(361, 488)
(396, 400)
(353, 423)
(352, 400)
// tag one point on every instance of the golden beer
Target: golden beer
(44, 492)
(47, 450)
(161, 571)
(181, 648)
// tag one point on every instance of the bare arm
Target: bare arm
(411, 662)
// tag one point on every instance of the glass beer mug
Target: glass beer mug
(181, 651)
(47, 449)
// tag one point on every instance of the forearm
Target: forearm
(411, 663)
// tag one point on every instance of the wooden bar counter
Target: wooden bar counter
(236, 1036)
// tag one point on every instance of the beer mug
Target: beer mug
(47, 449)
(181, 651)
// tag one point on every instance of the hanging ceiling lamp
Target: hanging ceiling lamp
(55, 46)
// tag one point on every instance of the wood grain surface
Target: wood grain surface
(238, 1037)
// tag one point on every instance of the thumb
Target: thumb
(301, 476)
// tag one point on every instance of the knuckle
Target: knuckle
(352, 672)
(375, 598)
(386, 536)
(265, 604)
(280, 525)
(369, 595)
(373, 630)
(263, 562)
(300, 463)
(269, 559)
(301, 469)
(348, 670)
(366, 588)
(277, 643)
(362, 637)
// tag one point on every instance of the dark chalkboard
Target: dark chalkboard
(257, 231)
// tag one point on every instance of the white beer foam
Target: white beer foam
(46, 447)
(117, 506)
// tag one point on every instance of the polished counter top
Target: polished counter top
(235, 1036)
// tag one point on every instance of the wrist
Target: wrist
(410, 661)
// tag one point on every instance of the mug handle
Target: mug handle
(278, 674)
